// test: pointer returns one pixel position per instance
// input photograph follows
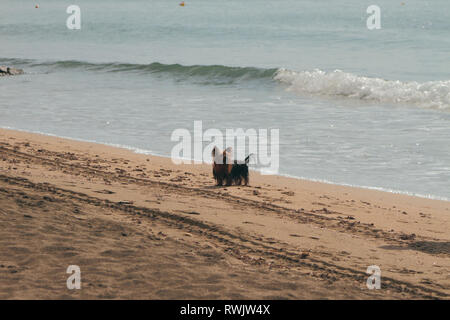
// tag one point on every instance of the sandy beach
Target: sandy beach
(140, 227)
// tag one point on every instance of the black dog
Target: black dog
(239, 171)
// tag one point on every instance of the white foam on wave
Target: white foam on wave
(115, 145)
(389, 190)
(431, 94)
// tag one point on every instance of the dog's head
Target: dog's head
(224, 157)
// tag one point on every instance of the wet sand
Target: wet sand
(140, 227)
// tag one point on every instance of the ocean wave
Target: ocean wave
(431, 94)
(218, 73)
(212, 71)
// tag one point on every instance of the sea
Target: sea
(353, 105)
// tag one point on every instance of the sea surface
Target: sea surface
(353, 106)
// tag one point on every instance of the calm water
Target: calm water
(359, 107)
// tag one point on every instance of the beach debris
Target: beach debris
(8, 71)
(404, 236)
(190, 212)
(182, 4)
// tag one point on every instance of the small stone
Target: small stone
(4, 71)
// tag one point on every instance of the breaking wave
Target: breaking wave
(431, 94)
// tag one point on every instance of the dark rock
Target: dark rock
(8, 71)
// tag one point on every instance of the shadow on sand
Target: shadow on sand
(431, 247)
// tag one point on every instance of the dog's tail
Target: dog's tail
(247, 160)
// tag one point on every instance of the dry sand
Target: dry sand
(140, 227)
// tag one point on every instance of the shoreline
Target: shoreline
(141, 227)
(138, 150)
